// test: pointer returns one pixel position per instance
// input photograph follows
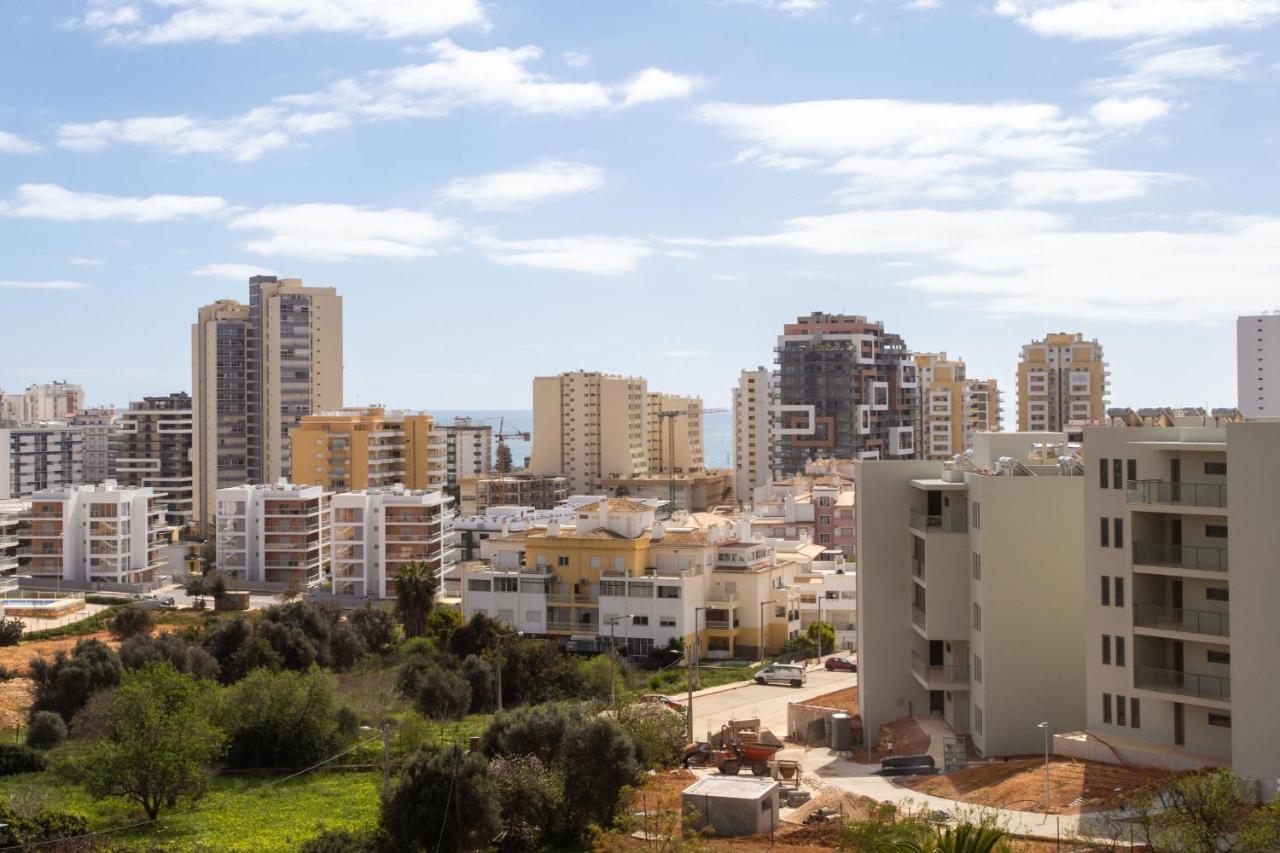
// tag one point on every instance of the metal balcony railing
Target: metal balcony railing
(1184, 683)
(1181, 619)
(1199, 557)
(948, 673)
(1177, 494)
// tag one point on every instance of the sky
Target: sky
(501, 190)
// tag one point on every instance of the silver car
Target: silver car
(782, 673)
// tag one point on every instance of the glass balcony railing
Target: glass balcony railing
(1181, 619)
(1199, 557)
(1177, 494)
(952, 521)
(1184, 683)
(939, 673)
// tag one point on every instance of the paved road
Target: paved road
(768, 702)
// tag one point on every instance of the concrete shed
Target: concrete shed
(732, 805)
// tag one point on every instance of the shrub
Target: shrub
(442, 796)
(537, 730)
(290, 642)
(530, 797)
(256, 653)
(442, 695)
(18, 829)
(537, 671)
(376, 626)
(478, 673)
(657, 732)
(182, 654)
(8, 673)
(346, 647)
(440, 626)
(480, 636)
(45, 730)
(595, 674)
(340, 841)
(223, 639)
(131, 622)
(19, 758)
(65, 683)
(416, 647)
(11, 631)
(599, 759)
(280, 719)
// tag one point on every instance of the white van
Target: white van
(782, 673)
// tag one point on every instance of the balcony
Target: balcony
(952, 521)
(1165, 493)
(1174, 681)
(917, 618)
(1181, 620)
(917, 568)
(939, 676)
(1194, 557)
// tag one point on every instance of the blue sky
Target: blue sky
(507, 189)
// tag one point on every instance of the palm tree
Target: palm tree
(415, 595)
(965, 838)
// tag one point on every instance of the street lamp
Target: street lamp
(692, 661)
(1044, 724)
(613, 648)
(386, 750)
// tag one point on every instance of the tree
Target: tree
(823, 637)
(478, 673)
(376, 626)
(504, 457)
(45, 730)
(256, 653)
(416, 585)
(280, 719)
(657, 732)
(1205, 813)
(537, 730)
(160, 744)
(440, 627)
(443, 800)
(196, 587)
(537, 671)
(480, 636)
(595, 675)
(346, 647)
(65, 683)
(798, 647)
(130, 622)
(598, 760)
(185, 655)
(11, 631)
(530, 798)
(215, 585)
(442, 695)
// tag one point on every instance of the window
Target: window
(1106, 591)
(478, 585)
(1117, 474)
(1118, 538)
(1134, 711)
(1106, 649)
(977, 616)
(1104, 532)
(977, 719)
(641, 590)
(1215, 469)
(504, 584)
(1214, 656)
(1119, 651)
(977, 669)
(639, 620)
(595, 562)
(667, 622)
(532, 616)
(977, 516)
(1223, 720)
(1120, 709)
(1131, 470)
(1106, 707)
(1215, 531)
(615, 588)
(1217, 593)
(1119, 592)
(619, 564)
(668, 592)
(562, 560)
(1102, 473)
(977, 567)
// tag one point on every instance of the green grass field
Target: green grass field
(238, 814)
(675, 680)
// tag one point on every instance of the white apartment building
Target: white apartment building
(752, 431)
(1180, 642)
(588, 426)
(52, 401)
(1258, 365)
(94, 536)
(97, 426)
(828, 592)
(273, 536)
(970, 591)
(12, 514)
(377, 531)
(36, 457)
(468, 448)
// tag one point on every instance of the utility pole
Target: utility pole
(613, 648)
(692, 663)
(1045, 725)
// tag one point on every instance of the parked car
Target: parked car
(782, 673)
(659, 699)
(841, 665)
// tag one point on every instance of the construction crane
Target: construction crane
(670, 417)
(502, 435)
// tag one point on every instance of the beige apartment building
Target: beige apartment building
(50, 401)
(675, 434)
(257, 370)
(970, 591)
(752, 431)
(368, 448)
(518, 489)
(1180, 544)
(953, 406)
(588, 426)
(1062, 380)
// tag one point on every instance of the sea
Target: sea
(717, 431)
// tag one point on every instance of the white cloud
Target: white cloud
(341, 231)
(50, 201)
(1129, 112)
(1111, 19)
(654, 84)
(588, 254)
(169, 21)
(1158, 71)
(10, 144)
(1083, 186)
(1021, 262)
(455, 78)
(234, 272)
(575, 59)
(893, 150)
(42, 285)
(87, 262)
(507, 190)
(795, 7)
(921, 5)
